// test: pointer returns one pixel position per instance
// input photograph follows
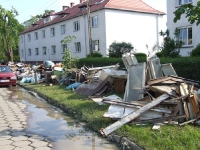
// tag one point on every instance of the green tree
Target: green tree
(195, 51)
(117, 49)
(9, 30)
(171, 46)
(68, 61)
(192, 13)
(34, 19)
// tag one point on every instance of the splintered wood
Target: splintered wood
(167, 99)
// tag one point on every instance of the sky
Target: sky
(28, 8)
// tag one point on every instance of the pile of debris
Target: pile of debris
(154, 94)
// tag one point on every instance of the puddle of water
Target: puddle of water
(65, 132)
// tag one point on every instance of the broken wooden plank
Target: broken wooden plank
(183, 80)
(185, 107)
(190, 121)
(163, 89)
(184, 89)
(133, 115)
(194, 105)
(155, 120)
(158, 80)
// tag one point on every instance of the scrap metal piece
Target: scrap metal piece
(155, 67)
(133, 115)
(91, 88)
(135, 82)
(167, 69)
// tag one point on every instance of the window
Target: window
(181, 2)
(29, 52)
(43, 33)
(76, 26)
(44, 49)
(94, 21)
(52, 31)
(36, 51)
(29, 37)
(78, 46)
(95, 45)
(36, 35)
(185, 35)
(64, 47)
(47, 19)
(53, 50)
(21, 39)
(22, 54)
(62, 29)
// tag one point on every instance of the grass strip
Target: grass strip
(168, 137)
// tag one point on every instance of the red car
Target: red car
(7, 77)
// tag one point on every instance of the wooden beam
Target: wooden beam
(133, 115)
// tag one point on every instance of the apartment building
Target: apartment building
(111, 20)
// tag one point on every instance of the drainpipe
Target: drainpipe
(157, 32)
(24, 50)
(85, 35)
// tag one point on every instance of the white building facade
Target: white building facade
(110, 21)
(189, 33)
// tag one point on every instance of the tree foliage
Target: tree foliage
(117, 49)
(68, 61)
(34, 19)
(9, 30)
(192, 13)
(171, 46)
(195, 51)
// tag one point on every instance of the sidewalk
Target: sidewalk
(13, 123)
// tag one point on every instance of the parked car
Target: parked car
(7, 77)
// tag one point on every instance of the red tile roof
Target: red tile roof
(75, 11)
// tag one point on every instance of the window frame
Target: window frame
(36, 35)
(29, 37)
(43, 34)
(181, 38)
(182, 2)
(94, 45)
(52, 31)
(76, 26)
(44, 52)
(53, 50)
(95, 21)
(29, 52)
(22, 51)
(77, 47)
(63, 48)
(63, 29)
(36, 51)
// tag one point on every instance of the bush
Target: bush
(95, 54)
(140, 55)
(117, 49)
(159, 54)
(195, 51)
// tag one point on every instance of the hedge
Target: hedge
(104, 61)
(186, 67)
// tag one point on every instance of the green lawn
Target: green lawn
(168, 137)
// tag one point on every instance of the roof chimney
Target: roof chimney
(81, 1)
(52, 12)
(65, 7)
(72, 4)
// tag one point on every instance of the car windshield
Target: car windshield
(4, 69)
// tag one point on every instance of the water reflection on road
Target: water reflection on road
(65, 132)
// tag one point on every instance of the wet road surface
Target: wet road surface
(53, 125)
